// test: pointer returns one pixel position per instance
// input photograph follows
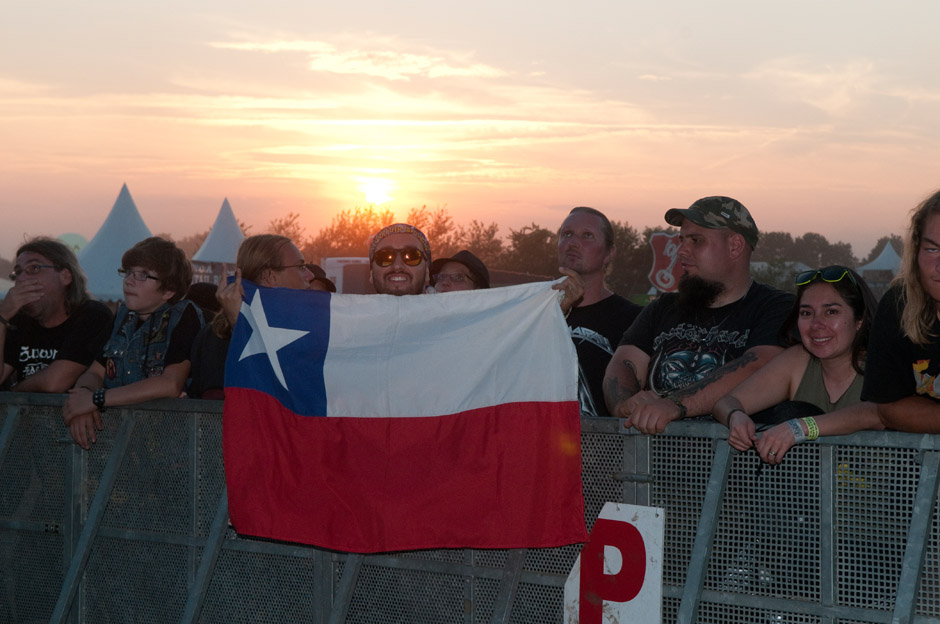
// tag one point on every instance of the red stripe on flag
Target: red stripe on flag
(500, 477)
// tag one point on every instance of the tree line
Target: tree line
(533, 249)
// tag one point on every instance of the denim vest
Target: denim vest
(134, 353)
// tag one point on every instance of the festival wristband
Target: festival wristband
(797, 429)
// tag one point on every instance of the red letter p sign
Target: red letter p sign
(621, 566)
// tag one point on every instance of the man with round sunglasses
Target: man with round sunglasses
(399, 258)
(688, 349)
(50, 327)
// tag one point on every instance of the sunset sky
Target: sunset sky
(819, 116)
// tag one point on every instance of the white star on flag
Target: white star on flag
(266, 339)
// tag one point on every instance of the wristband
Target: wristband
(797, 429)
(811, 427)
(97, 397)
(3, 321)
(683, 412)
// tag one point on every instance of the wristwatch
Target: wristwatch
(97, 397)
(678, 401)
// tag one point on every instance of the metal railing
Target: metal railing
(136, 530)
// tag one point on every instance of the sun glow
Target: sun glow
(376, 190)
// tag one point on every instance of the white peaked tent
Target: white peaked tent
(224, 238)
(887, 260)
(101, 258)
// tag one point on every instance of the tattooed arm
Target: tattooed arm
(622, 379)
(700, 397)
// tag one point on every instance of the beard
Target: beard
(696, 293)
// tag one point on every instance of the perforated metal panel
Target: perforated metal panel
(726, 614)
(875, 491)
(851, 505)
(681, 467)
(131, 581)
(260, 588)
(397, 596)
(770, 526)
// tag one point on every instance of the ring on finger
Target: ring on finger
(772, 453)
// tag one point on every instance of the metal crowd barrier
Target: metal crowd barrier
(136, 531)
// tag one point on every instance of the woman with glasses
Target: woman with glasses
(833, 313)
(148, 353)
(266, 259)
(904, 354)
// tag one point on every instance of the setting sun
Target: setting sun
(376, 190)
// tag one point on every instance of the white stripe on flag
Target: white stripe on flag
(434, 355)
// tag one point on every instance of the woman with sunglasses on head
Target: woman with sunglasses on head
(148, 354)
(904, 353)
(833, 312)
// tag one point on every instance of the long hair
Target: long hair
(61, 257)
(256, 255)
(860, 299)
(918, 310)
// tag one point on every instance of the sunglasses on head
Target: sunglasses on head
(831, 274)
(412, 256)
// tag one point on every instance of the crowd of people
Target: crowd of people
(775, 368)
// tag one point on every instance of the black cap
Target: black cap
(475, 265)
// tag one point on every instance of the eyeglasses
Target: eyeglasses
(412, 256)
(29, 269)
(139, 276)
(831, 274)
(302, 266)
(456, 278)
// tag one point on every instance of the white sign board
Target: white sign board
(618, 577)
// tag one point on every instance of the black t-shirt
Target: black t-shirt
(31, 347)
(596, 330)
(685, 347)
(895, 367)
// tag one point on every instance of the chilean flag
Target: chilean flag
(372, 423)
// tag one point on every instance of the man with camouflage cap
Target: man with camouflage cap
(688, 349)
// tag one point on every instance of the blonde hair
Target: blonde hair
(256, 255)
(918, 310)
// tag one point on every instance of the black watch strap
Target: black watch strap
(97, 398)
(678, 401)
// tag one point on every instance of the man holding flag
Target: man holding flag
(332, 436)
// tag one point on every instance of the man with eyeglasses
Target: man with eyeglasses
(688, 349)
(399, 257)
(464, 271)
(50, 327)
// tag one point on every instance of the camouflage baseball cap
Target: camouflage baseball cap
(717, 212)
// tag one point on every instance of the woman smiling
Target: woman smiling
(833, 312)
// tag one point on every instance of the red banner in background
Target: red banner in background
(666, 271)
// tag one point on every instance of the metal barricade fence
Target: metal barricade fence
(136, 531)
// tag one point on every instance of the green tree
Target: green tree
(815, 251)
(348, 234)
(631, 263)
(439, 227)
(896, 241)
(191, 244)
(532, 249)
(774, 246)
(482, 240)
(288, 226)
